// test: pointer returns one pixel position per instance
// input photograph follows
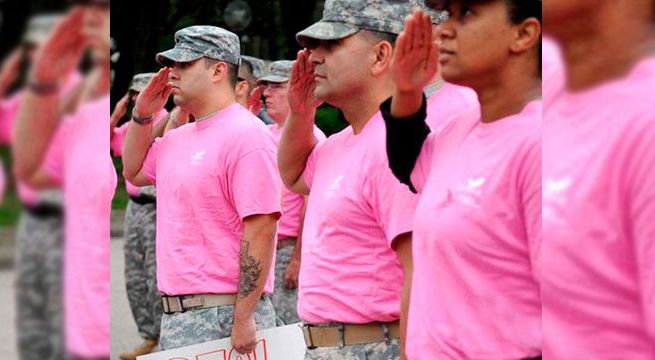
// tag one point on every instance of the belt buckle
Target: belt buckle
(166, 304)
(307, 334)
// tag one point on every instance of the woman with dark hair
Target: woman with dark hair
(477, 229)
(598, 258)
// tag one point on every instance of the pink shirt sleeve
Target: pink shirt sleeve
(310, 166)
(392, 204)
(118, 139)
(530, 190)
(149, 165)
(641, 207)
(254, 183)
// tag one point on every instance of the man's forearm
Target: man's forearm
(36, 123)
(255, 262)
(137, 144)
(296, 144)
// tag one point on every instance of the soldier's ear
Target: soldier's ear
(220, 71)
(383, 52)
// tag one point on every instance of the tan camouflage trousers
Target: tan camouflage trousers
(202, 325)
(39, 302)
(374, 351)
(141, 268)
(285, 301)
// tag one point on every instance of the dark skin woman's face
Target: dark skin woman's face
(475, 40)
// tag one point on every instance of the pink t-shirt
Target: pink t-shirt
(292, 203)
(356, 208)
(598, 261)
(210, 175)
(448, 100)
(118, 141)
(79, 160)
(8, 112)
(477, 232)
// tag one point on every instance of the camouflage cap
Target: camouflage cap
(258, 65)
(195, 42)
(342, 18)
(139, 81)
(435, 8)
(278, 72)
(39, 28)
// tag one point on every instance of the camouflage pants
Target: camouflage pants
(202, 325)
(141, 270)
(285, 301)
(374, 351)
(39, 301)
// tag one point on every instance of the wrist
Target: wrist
(142, 120)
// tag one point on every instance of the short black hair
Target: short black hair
(232, 70)
(520, 10)
(246, 66)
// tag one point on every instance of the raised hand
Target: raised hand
(302, 85)
(9, 70)
(416, 58)
(61, 53)
(154, 96)
(120, 109)
(255, 103)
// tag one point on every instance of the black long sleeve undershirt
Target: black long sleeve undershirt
(405, 138)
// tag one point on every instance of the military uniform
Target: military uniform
(350, 330)
(198, 255)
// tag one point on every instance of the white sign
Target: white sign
(281, 343)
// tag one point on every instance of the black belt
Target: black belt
(532, 358)
(143, 199)
(43, 211)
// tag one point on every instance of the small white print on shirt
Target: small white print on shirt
(196, 159)
(469, 193)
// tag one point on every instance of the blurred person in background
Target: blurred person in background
(275, 85)
(599, 182)
(140, 223)
(49, 151)
(39, 237)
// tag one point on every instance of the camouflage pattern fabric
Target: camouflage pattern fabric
(373, 351)
(278, 72)
(141, 269)
(39, 302)
(285, 300)
(201, 325)
(342, 18)
(139, 81)
(436, 11)
(195, 42)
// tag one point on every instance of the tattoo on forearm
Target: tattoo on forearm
(251, 270)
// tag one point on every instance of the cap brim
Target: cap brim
(273, 79)
(325, 30)
(169, 57)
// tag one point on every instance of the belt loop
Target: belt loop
(385, 329)
(166, 305)
(182, 308)
(308, 337)
(342, 335)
